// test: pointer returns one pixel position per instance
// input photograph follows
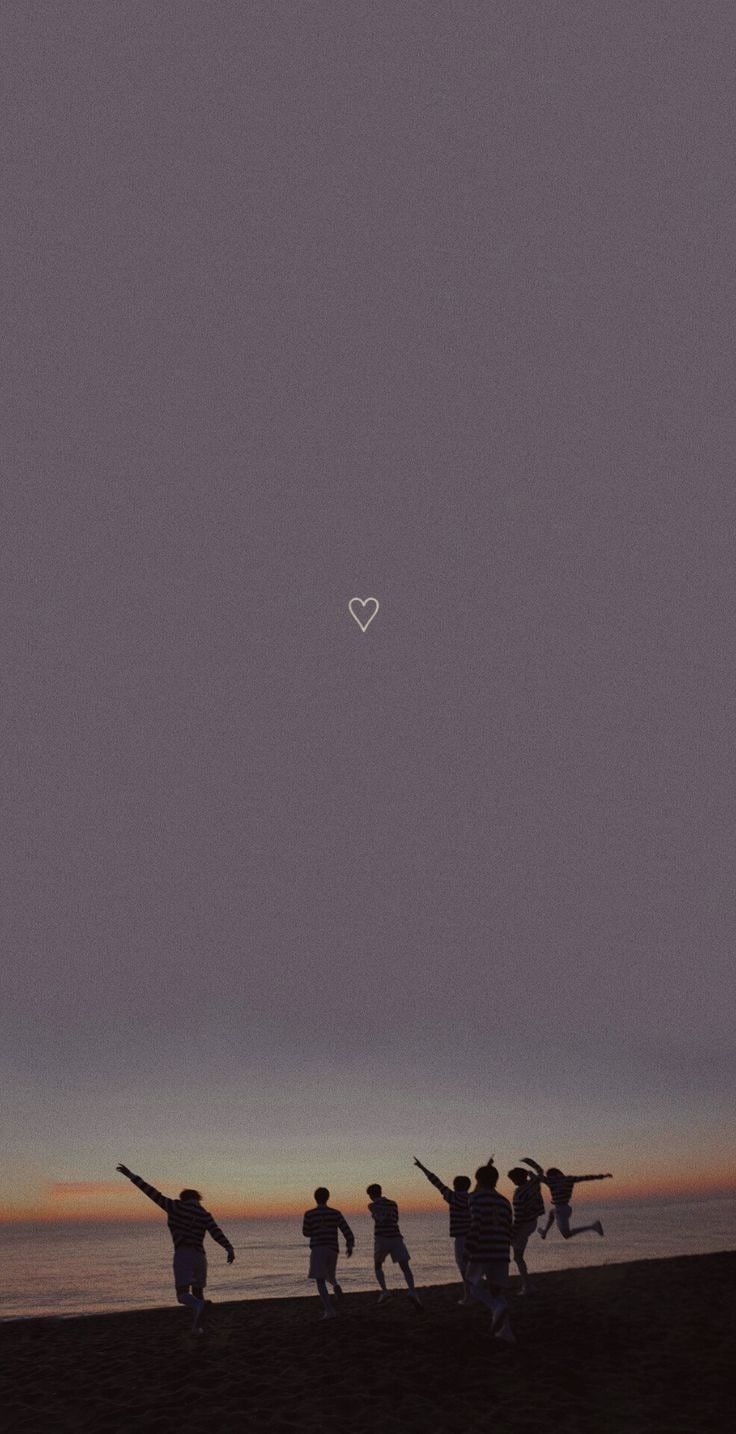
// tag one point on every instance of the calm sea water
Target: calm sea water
(88, 1268)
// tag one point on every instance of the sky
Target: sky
(310, 302)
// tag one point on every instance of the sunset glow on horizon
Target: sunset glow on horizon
(103, 1201)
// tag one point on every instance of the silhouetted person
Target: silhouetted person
(388, 1241)
(320, 1226)
(487, 1247)
(528, 1207)
(188, 1222)
(458, 1200)
(560, 1188)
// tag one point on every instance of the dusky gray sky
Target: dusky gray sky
(306, 302)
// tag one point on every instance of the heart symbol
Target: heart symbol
(363, 621)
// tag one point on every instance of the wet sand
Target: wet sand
(646, 1348)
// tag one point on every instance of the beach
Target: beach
(646, 1347)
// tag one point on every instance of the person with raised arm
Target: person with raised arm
(560, 1187)
(488, 1247)
(389, 1241)
(528, 1207)
(458, 1200)
(320, 1227)
(188, 1222)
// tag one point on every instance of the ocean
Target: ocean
(69, 1269)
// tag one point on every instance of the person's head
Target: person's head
(553, 1170)
(374, 1191)
(190, 1195)
(486, 1177)
(519, 1176)
(321, 1195)
(461, 1183)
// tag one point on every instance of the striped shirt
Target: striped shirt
(489, 1237)
(188, 1220)
(561, 1188)
(321, 1225)
(527, 1203)
(386, 1218)
(459, 1203)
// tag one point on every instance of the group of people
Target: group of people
(485, 1228)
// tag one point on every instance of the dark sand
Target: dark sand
(646, 1348)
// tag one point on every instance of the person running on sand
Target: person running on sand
(487, 1248)
(320, 1226)
(560, 1188)
(188, 1221)
(458, 1200)
(528, 1207)
(389, 1241)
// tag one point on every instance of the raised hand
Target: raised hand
(230, 1256)
(123, 1169)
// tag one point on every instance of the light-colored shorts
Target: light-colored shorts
(190, 1266)
(520, 1236)
(495, 1271)
(460, 1260)
(322, 1264)
(395, 1248)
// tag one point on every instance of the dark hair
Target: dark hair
(461, 1182)
(374, 1191)
(553, 1170)
(519, 1175)
(189, 1195)
(487, 1176)
(321, 1195)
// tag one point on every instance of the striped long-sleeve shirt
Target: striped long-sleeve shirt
(385, 1214)
(459, 1203)
(188, 1221)
(489, 1237)
(321, 1225)
(527, 1202)
(561, 1188)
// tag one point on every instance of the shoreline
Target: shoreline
(643, 1346)
(537, 1278)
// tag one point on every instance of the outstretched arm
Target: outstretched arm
(579, 1178)
(433, 1179)
(149, 1190)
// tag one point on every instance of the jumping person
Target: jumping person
(560, 1188)
(389, 1241)
(188, 1221)
(458, 1200)
(528, 1207)
(320, 1226)
(487, 1247)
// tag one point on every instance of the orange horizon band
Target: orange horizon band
(227, 1208)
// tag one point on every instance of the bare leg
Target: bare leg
(197, 1305)
(325, 1298)
(550, 1222)
(563, 1224)
(480, 1291)
(380, 1276)
(405, 1268)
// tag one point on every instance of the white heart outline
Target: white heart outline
(363, 602)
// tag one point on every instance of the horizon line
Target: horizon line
(229, 1210)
